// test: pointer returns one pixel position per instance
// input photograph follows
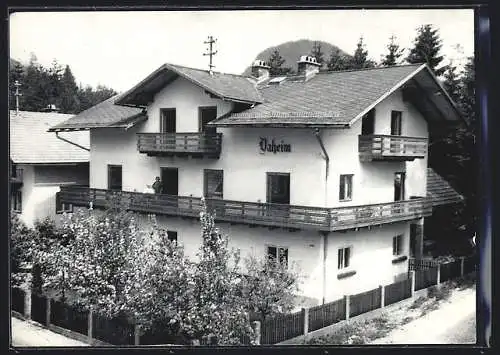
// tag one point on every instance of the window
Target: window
(115, 177)
(396, 123)
(397, 245)
(344, 258)
(368, 123)
(167, 120)
(213, 182)
(17, 201)
(277, 254)
(345, 191)
(172, 236)
(62, 207)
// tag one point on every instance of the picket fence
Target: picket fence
(119, 331)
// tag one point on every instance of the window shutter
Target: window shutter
(347, 256)
(340, 258)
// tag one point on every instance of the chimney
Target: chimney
(260, 70)
(308, 66)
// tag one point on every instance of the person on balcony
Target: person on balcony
(157, 185)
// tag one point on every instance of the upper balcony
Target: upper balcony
(378, 147)
(254, 213)
(200, 144)
(16, 177)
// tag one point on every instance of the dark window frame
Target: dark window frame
(172, 235)
(163, 110)
(397, 245)
(269, 185)
(201, 127)
(17, 201)
(110, 167)
(280, 254)
(396, 123)
(344, 258)
(221, 182)
(346, 180)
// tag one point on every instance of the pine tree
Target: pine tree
(69, 102)
(276, 62)
(452, 82)
(54, 85)
(339, 61)
(360, 59)
(426, 49)
(392, 57)
(317, 53)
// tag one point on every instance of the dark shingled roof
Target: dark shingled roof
(329, 98)
(30, 143)
(105, 114)
(440, 191)
(229, 87)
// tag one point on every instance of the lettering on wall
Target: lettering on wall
(267, 145)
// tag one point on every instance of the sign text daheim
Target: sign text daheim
(271, 146)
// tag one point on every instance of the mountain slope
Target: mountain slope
(292, 50)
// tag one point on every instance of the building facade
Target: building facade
(324, 170)
(40, 163)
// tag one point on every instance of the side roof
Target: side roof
(440, 191)
(228, 87)
(31, 143)
(340, 98)
(103, 115)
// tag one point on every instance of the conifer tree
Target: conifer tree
(360, 59)
(393, 55)
(426, 49)
(339, 61)
(276, 62)
(317, 53)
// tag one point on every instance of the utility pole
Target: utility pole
(210, 53)
(17, 94)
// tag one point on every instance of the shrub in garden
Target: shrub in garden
(20, 248)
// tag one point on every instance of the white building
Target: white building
(41, 162)
(328, 169)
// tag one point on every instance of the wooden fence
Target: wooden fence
(365, 302)
(281, 328)
(397, 291)
(119, 331)
(326, 314)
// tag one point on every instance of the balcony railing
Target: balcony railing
(254, 213)
(380, 147)
(180, 144)
(17, 176)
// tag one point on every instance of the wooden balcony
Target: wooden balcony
(253, 213)
(16, 177)
(180, 144)
(391, 148)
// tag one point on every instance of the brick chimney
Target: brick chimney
(308, 66)
(260, 70)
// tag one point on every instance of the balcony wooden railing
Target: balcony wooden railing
(254, 213)
(380, 147)
(181, 144)
(17, 176)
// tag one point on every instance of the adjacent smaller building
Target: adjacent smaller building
(40, 162)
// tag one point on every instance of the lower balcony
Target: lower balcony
(200, 144)
(390, 148)
(254, 213)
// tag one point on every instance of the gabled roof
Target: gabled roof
(440, 191)
(103, 115)
(30, 143)
(340, 98)
(229, 87)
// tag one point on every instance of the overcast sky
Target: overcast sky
(118, 49)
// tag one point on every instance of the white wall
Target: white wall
(371, 258)
(39, 199)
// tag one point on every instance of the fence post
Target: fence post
(347, 300)
(90, 326)
(256, 328)
(27, 303)
(305, 314)
(47, 312)
(382, 296)
(412, 275)
(137, 334)
(462, 260)
(438, 277)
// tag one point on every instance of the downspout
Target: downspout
(70, 142)
(324, 235)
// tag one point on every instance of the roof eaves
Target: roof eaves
(121, 100)
(389, 92)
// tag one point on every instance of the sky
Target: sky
(120, 48)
